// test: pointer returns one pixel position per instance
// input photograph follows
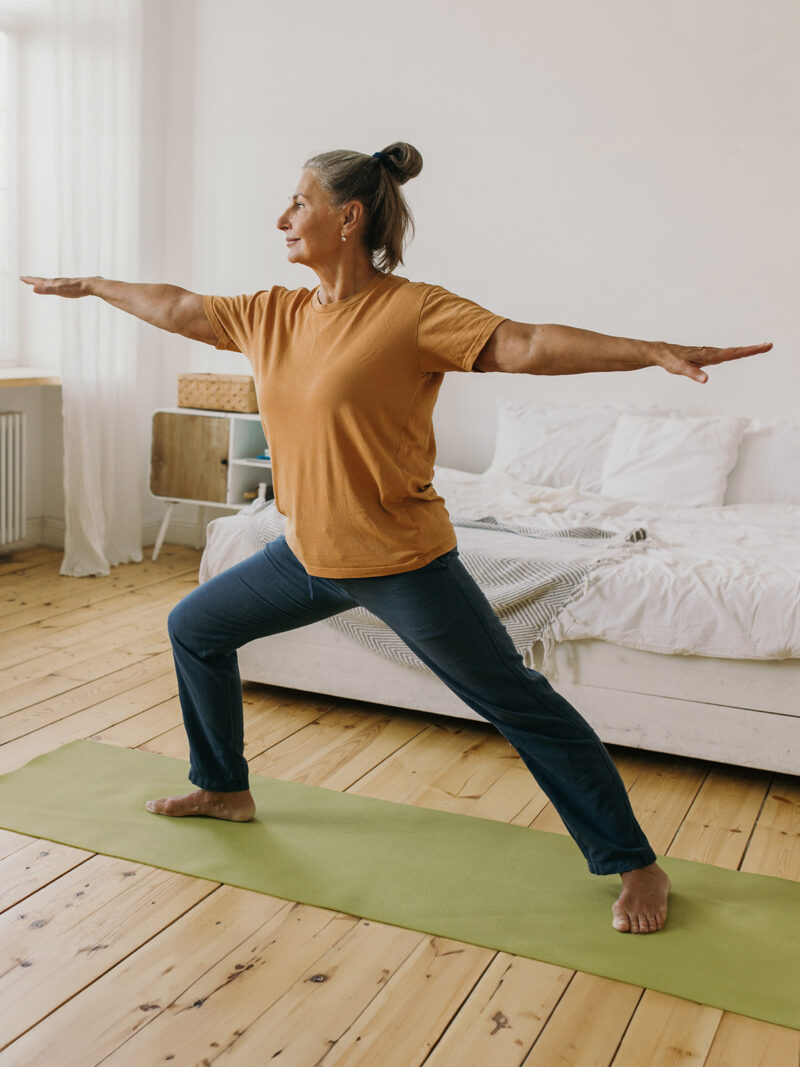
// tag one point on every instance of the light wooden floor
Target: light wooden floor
(109, 961)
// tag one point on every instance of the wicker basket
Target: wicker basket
(217, 392)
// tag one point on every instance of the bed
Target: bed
(647, 562)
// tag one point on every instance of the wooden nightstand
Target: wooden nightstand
(206, 457)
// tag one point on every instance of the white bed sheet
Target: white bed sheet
(711, 581)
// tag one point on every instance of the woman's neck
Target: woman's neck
(342, 283)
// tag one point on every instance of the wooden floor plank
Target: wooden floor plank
(717, 825)
(280, 959)
(88, 624)
(428, 987)
(10, 842)
(72, 594)
(604, 1009)
(146, 982)
(669, 1032)
(743, 1042)
(503, 1016)
(57, 683)
(514, 796)
(80, 697)
(86, 722)
(35, 585)
(74, 929)
(662, 795)
(30, 868)
(407, 773)
(31, 573)
(71, 661)
(468, 778)
(266, 724)
(143, 727)
(772, 849)
(333, 750)
(630, 762)
(307, 981)
(19, 560)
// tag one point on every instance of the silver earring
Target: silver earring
(344, 238)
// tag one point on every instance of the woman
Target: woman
(347, 376)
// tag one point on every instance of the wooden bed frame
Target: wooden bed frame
(743, 712)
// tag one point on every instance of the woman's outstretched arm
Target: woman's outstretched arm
(167, 306)
(524, 348)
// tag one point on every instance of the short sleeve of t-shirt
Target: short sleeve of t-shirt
(234, 319)
(451, 331)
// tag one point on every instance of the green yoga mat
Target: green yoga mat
(731, 939)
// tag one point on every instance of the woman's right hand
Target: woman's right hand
(69, 287)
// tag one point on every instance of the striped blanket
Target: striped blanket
(526, 594)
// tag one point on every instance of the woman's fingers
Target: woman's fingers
(722, 355)
(70, 287)
(42, 285)
(692, 370)
(688, 361)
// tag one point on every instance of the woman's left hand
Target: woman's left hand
(680, 359)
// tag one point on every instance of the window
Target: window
(8, 213)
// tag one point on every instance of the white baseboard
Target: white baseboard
(50, 532)
(178, 533)
(38, 531)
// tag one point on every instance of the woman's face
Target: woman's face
(313, 232)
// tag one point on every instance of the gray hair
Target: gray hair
(347, 175)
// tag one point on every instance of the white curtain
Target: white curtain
(97, 52)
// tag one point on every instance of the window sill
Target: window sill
(19, 376)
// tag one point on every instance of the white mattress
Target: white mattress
(719, 581)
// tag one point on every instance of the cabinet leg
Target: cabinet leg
(163, 530)
(200, 530)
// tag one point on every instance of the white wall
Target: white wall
(627, 168)
(623, 167)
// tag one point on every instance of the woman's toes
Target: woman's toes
(621, 922)
(644, 924)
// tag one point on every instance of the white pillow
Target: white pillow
(675, 462)
(555, 444)
(768, 465)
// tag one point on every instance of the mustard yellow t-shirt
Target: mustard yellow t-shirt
(346, 394)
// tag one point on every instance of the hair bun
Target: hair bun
(402, 160)
(346, 175)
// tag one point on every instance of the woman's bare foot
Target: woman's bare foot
(641, 907)
(236, 807)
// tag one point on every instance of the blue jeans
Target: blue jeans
(442, 614)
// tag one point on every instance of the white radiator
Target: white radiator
(12, 477)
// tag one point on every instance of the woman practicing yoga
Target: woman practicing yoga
(347, 376)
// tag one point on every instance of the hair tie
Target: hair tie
(380, 156)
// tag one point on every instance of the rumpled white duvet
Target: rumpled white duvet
(709, 581)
